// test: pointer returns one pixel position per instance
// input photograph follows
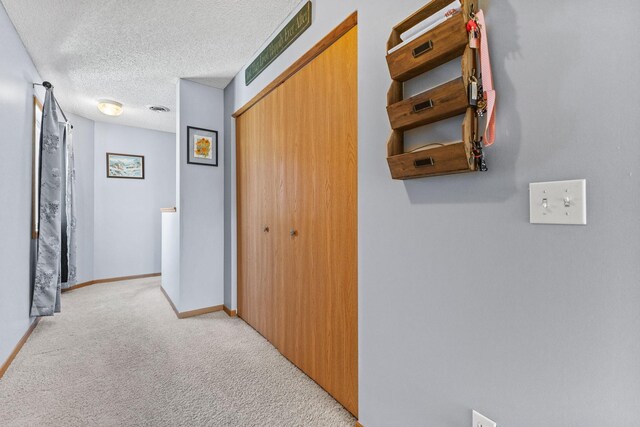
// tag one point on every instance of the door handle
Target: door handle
(293, 233)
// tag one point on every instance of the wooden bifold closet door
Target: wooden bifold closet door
(297, 219)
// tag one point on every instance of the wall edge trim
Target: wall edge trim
(191, 313)
(230, 313)
(109, 280)
(166, 295)
(199, 311)
(18, 347)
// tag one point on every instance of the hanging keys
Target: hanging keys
(473, 39)
(478, 154)
(483, 164)
(481, 106)
(473, 91)
(474, 34)
(472, 25)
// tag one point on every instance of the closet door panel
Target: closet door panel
(300, 290)
(247, 192)
(321, 171)
(307, 217)
(274, 200)
(265, 261)
(332, 216)
(255, 242)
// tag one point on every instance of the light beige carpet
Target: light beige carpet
(118, 356)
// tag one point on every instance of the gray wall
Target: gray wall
(127, 232)
(462, 303)
(230, 218)
(17, 72)
(200, 201)
(83, 148)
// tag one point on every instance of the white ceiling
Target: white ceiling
(132, 51)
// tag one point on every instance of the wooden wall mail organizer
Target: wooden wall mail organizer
(447, 41)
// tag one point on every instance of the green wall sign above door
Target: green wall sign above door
(280, 43)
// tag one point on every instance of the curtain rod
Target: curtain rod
(50, 86)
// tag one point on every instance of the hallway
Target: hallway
(117, 355)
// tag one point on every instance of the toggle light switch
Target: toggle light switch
(479, 420)
(558, 202)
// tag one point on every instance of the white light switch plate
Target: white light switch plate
(558, 202)
(480, 420)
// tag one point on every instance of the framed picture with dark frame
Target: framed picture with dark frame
(202, 146)
(128, 166)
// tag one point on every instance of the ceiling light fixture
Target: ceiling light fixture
(110, 108)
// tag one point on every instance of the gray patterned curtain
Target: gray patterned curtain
(55, 259)
(69, 222)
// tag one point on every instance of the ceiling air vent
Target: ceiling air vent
(158, 108)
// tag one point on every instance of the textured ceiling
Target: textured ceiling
(132, 51)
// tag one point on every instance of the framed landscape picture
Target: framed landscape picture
(129, 166)
(202, 146)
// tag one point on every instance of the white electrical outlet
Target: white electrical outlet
(558, 202)
(480, 420)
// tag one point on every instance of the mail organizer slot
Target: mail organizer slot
(439, 103)
(442, 44)
(437, 160)
(423, 48)
(421, 106)
(420, 163)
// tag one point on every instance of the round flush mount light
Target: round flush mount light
(110, 108)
